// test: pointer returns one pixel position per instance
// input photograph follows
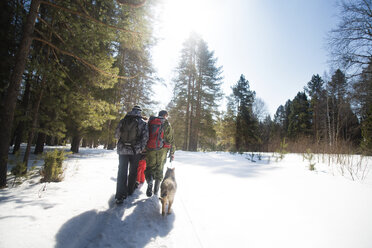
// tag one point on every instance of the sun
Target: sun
(177, 20)
(181, 17)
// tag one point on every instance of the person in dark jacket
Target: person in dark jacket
(132, 133)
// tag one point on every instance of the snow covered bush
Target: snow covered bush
(52, 170)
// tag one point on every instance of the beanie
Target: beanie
(163, 112)
(136, 108)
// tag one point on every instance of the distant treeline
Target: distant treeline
(333, 114)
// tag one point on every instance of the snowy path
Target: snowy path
(223, 200)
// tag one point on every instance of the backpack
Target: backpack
(156, 133)
(129, 132)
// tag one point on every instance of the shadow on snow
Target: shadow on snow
(22, 200)
(115, 228)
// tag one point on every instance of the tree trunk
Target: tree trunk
(84, 143)
(75, 143)
(329, 124)
(39, 148)
(198, 111)
(22, 124)
(192, 119)
(7, 112)
(18, 137)
(187, 129)
(49, 141)
(238, 137)
(34, 122)
(111, 146)
(315, 122)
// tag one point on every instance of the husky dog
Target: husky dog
(168, 189)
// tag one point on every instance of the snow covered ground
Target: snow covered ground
(223, 200)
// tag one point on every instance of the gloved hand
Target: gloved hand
(171, 157)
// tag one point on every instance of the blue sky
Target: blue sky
(278, 45)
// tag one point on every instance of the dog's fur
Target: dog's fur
(168, 190)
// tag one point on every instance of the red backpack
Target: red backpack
(156, 134)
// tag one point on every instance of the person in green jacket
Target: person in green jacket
(160, 141)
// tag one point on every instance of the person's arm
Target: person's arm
(144, 136)
(117, 131)
(169, 138)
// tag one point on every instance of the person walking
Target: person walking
(161, 140)
(132, 133)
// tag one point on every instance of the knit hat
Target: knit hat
(136, 107)
(163, 113)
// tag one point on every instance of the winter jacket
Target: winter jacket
(142, 139)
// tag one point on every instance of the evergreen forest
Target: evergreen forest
(71, 69)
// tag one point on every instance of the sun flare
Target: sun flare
(181, 17)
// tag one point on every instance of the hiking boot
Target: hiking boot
(149, 181)
(149, 189)
(156, 187)
(149, 186)
(119, 201)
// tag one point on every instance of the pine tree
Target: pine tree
(279, 118)
(246, 123)
(226, 129)
(338, 107)
(300, 117)
(196, 94)
(266, 132)
(314, 89)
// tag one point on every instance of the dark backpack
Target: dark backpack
(129, 133)
(156, 133)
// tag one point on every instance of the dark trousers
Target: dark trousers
(125, 183)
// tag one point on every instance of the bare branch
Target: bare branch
(84, 62)
(52, 30)
(351, 42)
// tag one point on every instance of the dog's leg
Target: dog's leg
(169, 206)
(163, 202)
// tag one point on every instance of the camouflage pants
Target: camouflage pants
(155, 161)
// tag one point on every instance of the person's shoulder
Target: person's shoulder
(142, 121)
(167, 123)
